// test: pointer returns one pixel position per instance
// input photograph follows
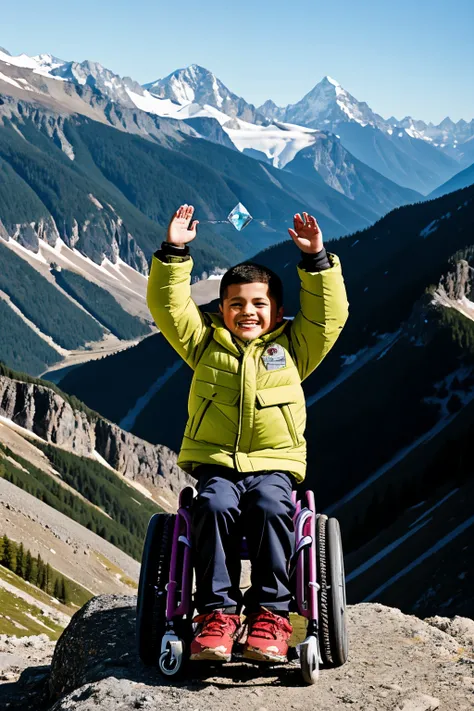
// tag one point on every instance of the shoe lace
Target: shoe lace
(266, 625)
(216, 623)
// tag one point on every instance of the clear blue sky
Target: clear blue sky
(406, 57)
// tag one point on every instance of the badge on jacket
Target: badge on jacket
(274, 357)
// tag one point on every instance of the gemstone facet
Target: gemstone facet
(239, 217)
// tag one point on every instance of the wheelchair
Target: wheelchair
(164, 627)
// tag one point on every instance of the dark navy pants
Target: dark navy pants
(229, 506)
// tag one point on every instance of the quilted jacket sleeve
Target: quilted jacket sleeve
(174, 311)
(322, 315)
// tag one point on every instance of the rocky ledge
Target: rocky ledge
(397, 662)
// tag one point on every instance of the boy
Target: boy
(244, 437)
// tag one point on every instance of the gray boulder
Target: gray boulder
(99, 642)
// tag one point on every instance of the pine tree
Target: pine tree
(48, 578)
(20, 561)
(2, 549)
(34, 572)
(5, 548)
(57, 592)
(65, 596)
(40, 576)
(9, 555)
(28, 567)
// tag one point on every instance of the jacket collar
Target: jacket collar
(233, 344)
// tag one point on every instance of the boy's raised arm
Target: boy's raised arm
(169, 290)
(323, 300)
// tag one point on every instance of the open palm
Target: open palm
(307, 234)
(179, 231)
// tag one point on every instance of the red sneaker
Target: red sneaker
(215, 639)
(268, 637)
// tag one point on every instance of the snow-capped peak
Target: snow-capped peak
(91, 73)
(200, 86)
(331, 80)
(328, 104)
(188, 84)
(94, 74)
(39, 64)
(21, 60)
(48, 60)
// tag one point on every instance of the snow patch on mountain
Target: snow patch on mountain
(131, 281)
(279, 142)
(171, 109)
(10, 81)
(40, 64)
(280, 146)
(195, 84)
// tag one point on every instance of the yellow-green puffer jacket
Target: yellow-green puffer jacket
(241, 414)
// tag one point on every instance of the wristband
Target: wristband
(315, 262)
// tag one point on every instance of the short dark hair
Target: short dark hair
(248, 273)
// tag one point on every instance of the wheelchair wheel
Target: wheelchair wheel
(332, 594)
(151, 597)
(309, 660)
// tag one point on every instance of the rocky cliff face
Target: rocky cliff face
(45, 413)
(103, 235)
(455, 288)
(28, 234)
(453, 292)
(396, 662)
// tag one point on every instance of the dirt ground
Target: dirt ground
(396, 662)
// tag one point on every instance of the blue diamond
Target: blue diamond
(239, 217)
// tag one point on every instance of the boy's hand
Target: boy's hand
(179, 232)
(307, 234)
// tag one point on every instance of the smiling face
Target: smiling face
(249, 311)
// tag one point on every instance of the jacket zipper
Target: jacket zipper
(242, 391)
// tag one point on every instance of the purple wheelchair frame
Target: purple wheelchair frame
(181, 577)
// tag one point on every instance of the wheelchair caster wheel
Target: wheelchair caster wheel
(309, 660)
(171, 660)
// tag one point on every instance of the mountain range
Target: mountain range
(90, 172)
(274, 134)
(328, 138)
